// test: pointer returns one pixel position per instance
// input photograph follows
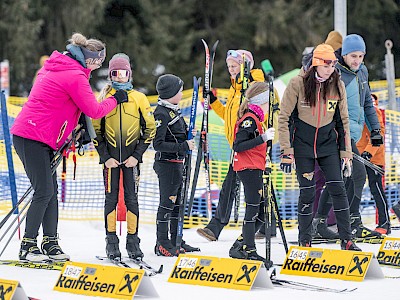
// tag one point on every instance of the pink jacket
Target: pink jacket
(60, 93)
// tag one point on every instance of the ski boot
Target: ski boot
(207, 234)
(349, 245)
(358, 230)
(112, 247)
(188, 248)
(52, 249)
(237, 246)
(305, 243)
(165, 248)
(320, 230)
(396, 210)
(246, 252)
(384, 228)
(30, 251)
(132, 246)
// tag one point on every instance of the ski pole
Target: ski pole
(369, 164)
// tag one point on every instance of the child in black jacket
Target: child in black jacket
(171, 145)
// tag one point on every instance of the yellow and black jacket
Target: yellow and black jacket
(228, 112)
(127, 130)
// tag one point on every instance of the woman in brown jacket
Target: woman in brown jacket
(314, 126)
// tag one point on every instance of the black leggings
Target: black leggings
(36, 158)
(254, 214)
(112, 189)
(377, 191)
(330, 166)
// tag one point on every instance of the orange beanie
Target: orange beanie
(321, 53)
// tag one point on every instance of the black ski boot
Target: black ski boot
(349, 245)
(305, 243)
(30, 251)
(358, 230)
(246, 253)
(188, 248)
(236, 247)
(165, 248)
(396, 210)
(320, 230)
(52, 249)
(132, 246)
(384, 228)
(112, 247)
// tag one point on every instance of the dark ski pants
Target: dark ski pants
(378, 192)
(354, 187)
(225, 203)
(330, 166)
(36, 158)
(130, 176)
(254, 215)
(170, 183)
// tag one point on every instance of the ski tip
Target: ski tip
(160, 269)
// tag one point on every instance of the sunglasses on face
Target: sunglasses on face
(328, 61)
(232, 53)
(120, 73)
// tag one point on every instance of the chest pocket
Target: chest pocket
(331, 107)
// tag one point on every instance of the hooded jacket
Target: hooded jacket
(60, 93)
(127, 130)
(318, 131)
(228, 112)
(360, 105)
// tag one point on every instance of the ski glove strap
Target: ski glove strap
(376, 138)
(287, 162)
(346, 166)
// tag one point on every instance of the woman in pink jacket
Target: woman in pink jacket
(61, 92)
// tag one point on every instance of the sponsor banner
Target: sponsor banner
(329, 263)
(11, 290)
(104, 281)
(389, 253)
(238, 274)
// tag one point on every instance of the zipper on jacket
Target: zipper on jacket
(318, 119)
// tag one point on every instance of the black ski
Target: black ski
(305, 286)
(150, 271)
(203, 150)
(369, 164)
(366, 240)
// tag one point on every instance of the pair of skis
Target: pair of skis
(150, 271)
(203, 153)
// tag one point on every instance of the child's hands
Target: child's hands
(130, 162)
(112, 163)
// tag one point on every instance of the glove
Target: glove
(346, 166)
(212, 97)
(121, 96)
(366, 155)
(376, 138)
(287, 160)
(269, 134)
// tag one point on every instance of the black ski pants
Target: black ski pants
(130, 178)
(354, 187)
(170, 183)
(254, 215)
(225, 203)
(378, 192)
(36, 158)
(330, 166)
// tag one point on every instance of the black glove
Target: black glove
(376, 138)
(212, 97)
(121, 96)
(366, 155)
(287, 162)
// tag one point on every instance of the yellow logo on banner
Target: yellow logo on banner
(211, 271)
(389, 253)
(99, 280)
(11, 290)
(327, 263)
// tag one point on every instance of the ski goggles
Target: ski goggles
(120, 73)
(328, 61)
(233, 53)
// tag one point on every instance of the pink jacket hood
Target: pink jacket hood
(60, 93)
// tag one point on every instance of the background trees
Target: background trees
(163, 36)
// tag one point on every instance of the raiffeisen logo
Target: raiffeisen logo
(82, 283)
(198, 274)
(310, 266)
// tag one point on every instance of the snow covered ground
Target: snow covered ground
(85, 239)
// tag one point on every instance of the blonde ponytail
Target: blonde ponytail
(79, 39)
(104, 91)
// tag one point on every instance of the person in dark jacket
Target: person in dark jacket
(122, 136)
(171, 144)
(249, 162)
(361, 110)
(314, 104)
